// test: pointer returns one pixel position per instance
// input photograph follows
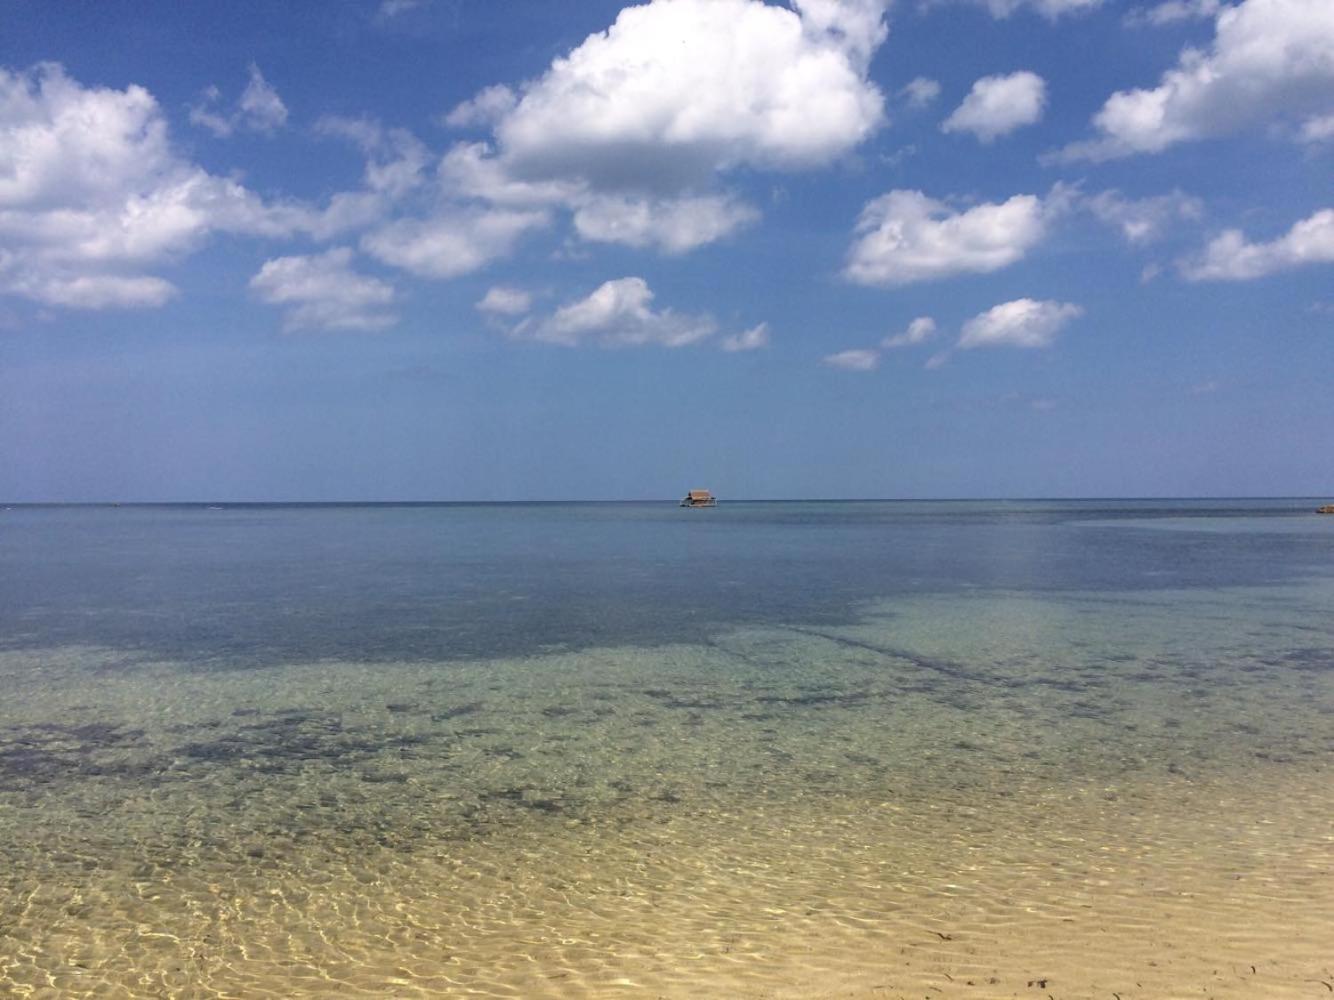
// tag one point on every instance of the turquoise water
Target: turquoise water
(627, 749)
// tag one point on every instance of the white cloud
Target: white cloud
(762, 86)
(367, 133)
(322, 291)
(938, 359)
(1021, 323)
(618, 314)
(141, 226)
(853, 361)
(91, 188)
(454, 242)
(472, 170)
(1228, 257)
(904, 237)
(920, 91)
(919, 330)
(395, 158)
(220, 125)
(747, 340)
(1271, 61)
(1027, 401)
(259, 109)
(632, 138)
(396, 165)
(673, 225)
(1143, 220)
(1172, 12)
(86, 291)
(392, 8)
(998, 105)
(1318, 129)
(504, 301)
(1050, 9)
(63, 140)
(476, 214)
(487, 107)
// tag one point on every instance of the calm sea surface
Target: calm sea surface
(628, 749)
(270, 584)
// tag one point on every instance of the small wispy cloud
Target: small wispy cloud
(865, 359)
(503, 301)
(919, 330)
(1028, 401)
(1050, 9)
(754, 339)
(1172, 12)
(390, 9)
(858, 360)
(919, 92)
(259, 109)
(1318, 129)
(1144, 220)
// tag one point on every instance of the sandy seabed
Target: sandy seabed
(1081, 797)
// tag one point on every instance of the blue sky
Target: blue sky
(549, 250)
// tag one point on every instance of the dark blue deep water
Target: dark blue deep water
(250, 585)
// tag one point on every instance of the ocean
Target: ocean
(815, 748)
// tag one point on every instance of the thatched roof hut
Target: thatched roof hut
(699, 498)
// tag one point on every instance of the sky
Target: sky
(545, 249)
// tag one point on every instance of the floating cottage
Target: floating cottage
(1327, 509)
(699, 498)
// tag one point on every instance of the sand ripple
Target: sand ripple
(1060, 801)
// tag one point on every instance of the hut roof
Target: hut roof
(700, 495)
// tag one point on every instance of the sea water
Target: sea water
(807, 748)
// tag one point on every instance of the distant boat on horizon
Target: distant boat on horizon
(699, 498)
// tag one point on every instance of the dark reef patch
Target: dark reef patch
(46, 752)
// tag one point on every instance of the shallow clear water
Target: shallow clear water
(606, 749)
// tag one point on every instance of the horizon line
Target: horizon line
(9, 504)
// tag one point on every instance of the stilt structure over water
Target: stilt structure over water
(699, 498)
